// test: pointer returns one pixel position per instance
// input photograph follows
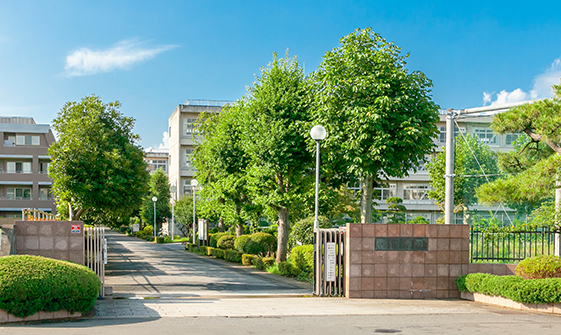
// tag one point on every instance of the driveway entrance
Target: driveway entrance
(139, 268)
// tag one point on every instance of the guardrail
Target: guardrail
(31, 214)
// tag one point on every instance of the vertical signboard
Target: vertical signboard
(203, 230)
(330, 252)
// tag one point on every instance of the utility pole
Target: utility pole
(449, 190)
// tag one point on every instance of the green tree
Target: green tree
(469, 177)
(157, 187)
(538, 167)
(184, 214)
(379, 117)
(276, 130)
(97, 167)
(396, 211)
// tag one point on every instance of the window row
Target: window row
(13, 140)
(25, 167)
(483, 135)
(156, 164)
(24, 193)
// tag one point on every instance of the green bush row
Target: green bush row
(538, 267)
(530, 291)
(30, 284)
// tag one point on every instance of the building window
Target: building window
(44, 167)
(187, 188)
(189, 127)
(18, 167)
(187, 159)
(156, 164)
(44, 194)
(510, 138)
(27, 140)
(10, 141)
(485, 136)
(18, 193)
(385, 192)
(442, 135)
(415, 191)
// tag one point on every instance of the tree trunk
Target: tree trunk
(221, 224)
(282, 239)
(239, 229)
(366, 200)
(70, 212)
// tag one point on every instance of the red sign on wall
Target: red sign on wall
(75, 228)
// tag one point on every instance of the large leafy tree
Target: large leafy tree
(276, 129)
(537, 163)
(158, 187)
(469, 175)
(97, 167)
(379, 117)
(221, 163)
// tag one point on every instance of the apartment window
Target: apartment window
(27, 140)
(510, 138)
(187, 188)
(44, 167)
(18, 167)
(485, 136)
(187, 159)
(10, 141)
(189, 127)
(44, 194)
(415, 191)
(18, 193)
(385, 192)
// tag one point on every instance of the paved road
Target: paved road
(143, 269)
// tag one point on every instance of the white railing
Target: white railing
(31, 214)
(95, 253)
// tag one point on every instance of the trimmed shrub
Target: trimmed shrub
(208, 251)
(218, 253)
(247, 259)
(190, 246)
(159, 239)
(29, 284)
(288, 269)
(226, 242)
(203, 248)
(233, 256)
(215, 237)
(303, 231)
(146, 234)
(167, 239)
(261, 244)
(302, 257)
(262, 263)
(240, 242)
(539, 267)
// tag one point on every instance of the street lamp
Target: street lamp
(194, 184)
(154, 199)
(317, 133)
(173, 189)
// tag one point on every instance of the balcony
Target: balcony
(16, 198)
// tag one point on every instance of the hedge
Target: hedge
(240, 242)
(30, 284)
(226, 242)
(529, 291)
(233, 256)
(159, 239)
(218, 253)
(302, 257)
(247, 259)
(263, 263)
(260, 244)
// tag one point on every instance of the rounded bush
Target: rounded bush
(226, 242)
(215, 237)
(261, 244)
(240, 242)
(302, 257)
(539, 267)
(303, 231)
(30, 284)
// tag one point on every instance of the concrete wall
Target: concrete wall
(405, 274)
(7, 240)
(53, 239)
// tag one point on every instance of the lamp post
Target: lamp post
(154, 199)
(194, 184)
(317, 133)
(173, 189)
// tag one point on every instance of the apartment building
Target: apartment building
(183, 139)
(24, 161)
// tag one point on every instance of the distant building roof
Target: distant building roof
(17, 120)
(20, 124)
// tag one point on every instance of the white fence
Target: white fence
(329, 267)
(95, 253)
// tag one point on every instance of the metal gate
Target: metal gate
(329, 269)
(95, 253)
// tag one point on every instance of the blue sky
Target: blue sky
(154, 55)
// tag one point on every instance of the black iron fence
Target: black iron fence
(510, 246)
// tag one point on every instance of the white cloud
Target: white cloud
(123, 55)
(164, 146)
(540, 90)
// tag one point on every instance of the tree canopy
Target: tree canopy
(157, 187)
(379, 117)
(97, 167)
